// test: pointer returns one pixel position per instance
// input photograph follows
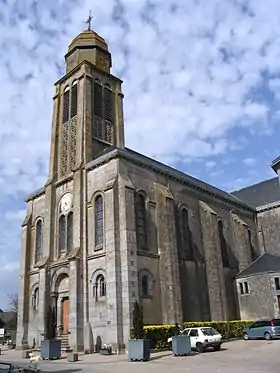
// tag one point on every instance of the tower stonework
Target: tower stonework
(111, 226)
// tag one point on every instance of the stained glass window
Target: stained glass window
(74, 100)
(141, 229)
(186, 235)
(65, 112)
(70, 232)
(223, 244)
(39, 240)
(98, 221)
(62, 234)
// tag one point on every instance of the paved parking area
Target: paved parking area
(237, 356)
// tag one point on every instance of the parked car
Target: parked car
(264, 328)
(8, 368)
(202, 338)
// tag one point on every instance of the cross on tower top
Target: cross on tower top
(89, 21)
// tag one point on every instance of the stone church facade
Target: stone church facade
(111, 226)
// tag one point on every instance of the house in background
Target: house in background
(8, 321)
(258, 288)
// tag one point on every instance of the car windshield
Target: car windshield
(209, 331)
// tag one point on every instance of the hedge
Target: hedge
(158, 334)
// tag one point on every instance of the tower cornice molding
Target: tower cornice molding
(91, 65)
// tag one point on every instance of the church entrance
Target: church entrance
(65, 315)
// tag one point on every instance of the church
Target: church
(111, 226)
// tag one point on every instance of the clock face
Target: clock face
(66, 202)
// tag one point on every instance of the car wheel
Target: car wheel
(217, 348)
(170, 346)
(267, 336)
(245, 336)
(199, 347)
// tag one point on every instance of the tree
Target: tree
(138, 325)
(13, 302)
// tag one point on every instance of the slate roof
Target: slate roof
(263, 264)
(145, 161)
(260, 194)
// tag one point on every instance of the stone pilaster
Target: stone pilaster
(213, 260)
(44, 294)
(75, 316)
(169, 265)
(24, 290)
(113, 288)
(119, 121)
(128, 280)
(49, 237)
(53, 165)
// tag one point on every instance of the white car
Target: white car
(201, 338)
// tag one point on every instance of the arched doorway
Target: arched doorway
(62, 293)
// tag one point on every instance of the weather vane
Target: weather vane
(89, 20)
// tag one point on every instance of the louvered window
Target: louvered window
(65, 113)
(108, 105)
(97, 104)
(74, 100)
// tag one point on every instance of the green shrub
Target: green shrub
(158, 334)
(137, 331)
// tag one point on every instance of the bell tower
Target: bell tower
(88, 106)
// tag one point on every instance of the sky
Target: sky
(201, 85)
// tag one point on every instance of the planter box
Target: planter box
(105, 351)
(51, 349)
(72, 357)
(181, 345)
(139, 350)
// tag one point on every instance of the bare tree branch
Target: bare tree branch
(13, 302)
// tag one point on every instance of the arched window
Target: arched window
(70, 232)
(140, 215)
(223, 244)
(98, 209)
(39, 240)
(65, 109)
(62, 234)
(35, 299)
(145, 285)
(186, 235)
(74, 99)
(100, 287)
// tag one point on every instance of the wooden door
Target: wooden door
(65, 315)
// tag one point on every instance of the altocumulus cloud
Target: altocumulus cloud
(199, 78)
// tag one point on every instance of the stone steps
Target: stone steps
(64, 342)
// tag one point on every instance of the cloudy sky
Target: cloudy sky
(201, 84)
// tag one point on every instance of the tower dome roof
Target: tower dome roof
(86, 39)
